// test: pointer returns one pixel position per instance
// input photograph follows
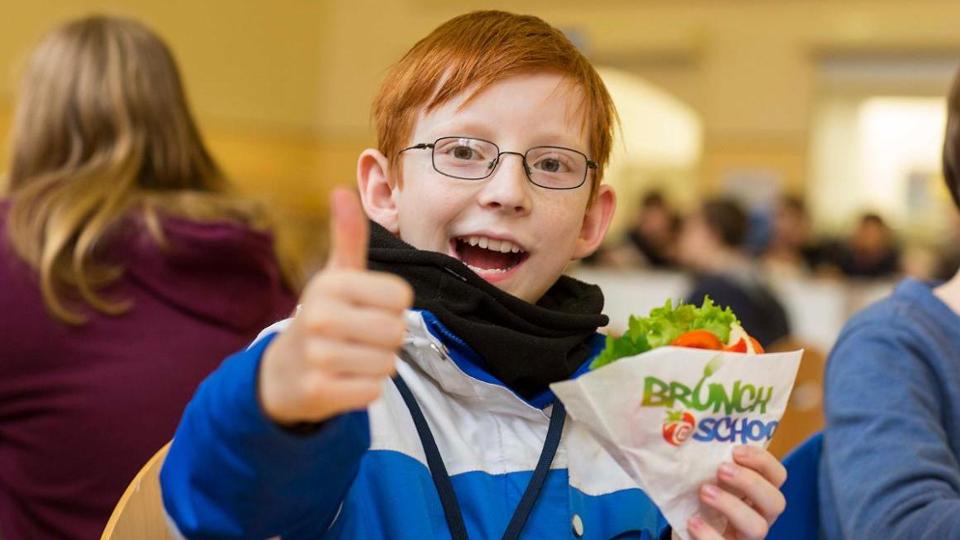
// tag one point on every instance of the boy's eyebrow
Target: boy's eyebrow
(479, 130)
(464, 127)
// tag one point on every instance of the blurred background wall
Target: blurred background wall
(837, 102)
(755, 97)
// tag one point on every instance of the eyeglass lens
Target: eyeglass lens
(475, 159)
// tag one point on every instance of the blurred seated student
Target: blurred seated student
(649, 242)
(653, 234)
(127, 273)
(712, 246)
(871, 251)
(792, 249)
(891, 457)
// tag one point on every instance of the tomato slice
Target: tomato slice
(740, 346)
(699, 339)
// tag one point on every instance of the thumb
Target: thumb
(348, 231)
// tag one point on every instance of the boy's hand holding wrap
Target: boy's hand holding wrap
(342, 343)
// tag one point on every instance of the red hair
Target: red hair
(472, 52)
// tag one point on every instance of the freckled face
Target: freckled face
(512, 233)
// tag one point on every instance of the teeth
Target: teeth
(503, 246)
(486, 270)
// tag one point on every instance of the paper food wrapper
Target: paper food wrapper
(672, 415)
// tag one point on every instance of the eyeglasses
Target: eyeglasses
(467, 158)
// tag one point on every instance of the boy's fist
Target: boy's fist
(342, 343)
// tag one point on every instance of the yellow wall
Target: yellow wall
(747, 66)
(282, 87)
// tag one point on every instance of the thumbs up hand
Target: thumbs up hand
(342, 344)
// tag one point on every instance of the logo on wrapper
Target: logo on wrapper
(719, 403)
(678, 427)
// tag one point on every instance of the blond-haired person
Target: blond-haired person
(126, 274)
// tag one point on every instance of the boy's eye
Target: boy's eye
(463, 152)
(552, 163)
(549, 165)
(454, 150)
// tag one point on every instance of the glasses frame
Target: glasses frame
(591, 165)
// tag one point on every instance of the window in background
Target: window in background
(660, 148)
(899, 161)
(875, 143)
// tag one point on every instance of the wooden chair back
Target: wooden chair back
(139, 515)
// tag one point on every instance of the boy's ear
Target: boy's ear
(378, 192)
(596, 221)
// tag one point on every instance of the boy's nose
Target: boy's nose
(508, 188)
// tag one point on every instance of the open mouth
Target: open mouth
(488, 256)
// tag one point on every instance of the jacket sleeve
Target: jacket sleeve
(887, 459)
(233, 473)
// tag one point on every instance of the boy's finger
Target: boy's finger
(348, 231)
(352, 359)
(761, 461)
(370, 289)
(746, 483)
(745, 520)
(362, 326)
(700, 530)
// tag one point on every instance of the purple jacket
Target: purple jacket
(83, 408)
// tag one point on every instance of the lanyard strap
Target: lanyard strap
(550, 445)
(448, 498)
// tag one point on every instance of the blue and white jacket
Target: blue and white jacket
(232, 473)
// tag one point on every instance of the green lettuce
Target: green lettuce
(663, 325)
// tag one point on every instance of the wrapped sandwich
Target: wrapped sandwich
(671, 397)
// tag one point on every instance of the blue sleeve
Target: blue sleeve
(887, 460)
(232, 473)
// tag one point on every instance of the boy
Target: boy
(493, 133)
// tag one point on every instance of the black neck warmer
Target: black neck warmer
(527, 346)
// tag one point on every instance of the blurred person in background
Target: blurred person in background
(712, 246)
(871, 251)
(651, 240)
(654, 232)
(791, 250)
(890, 466)
(127, 275)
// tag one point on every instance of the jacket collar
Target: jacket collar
(457, 368)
